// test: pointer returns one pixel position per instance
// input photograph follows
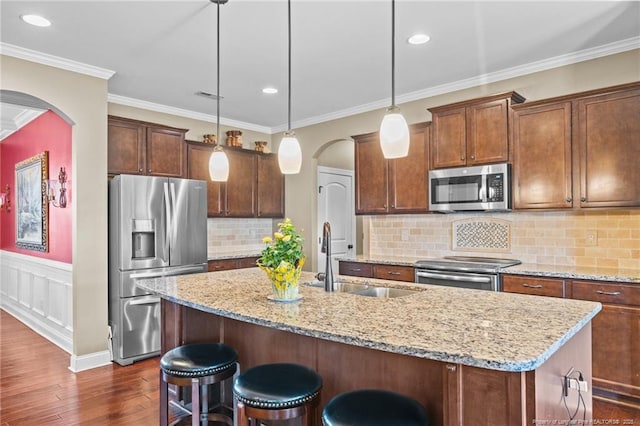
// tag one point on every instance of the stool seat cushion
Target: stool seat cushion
(198, 359)
(276, 386)
(372, 407)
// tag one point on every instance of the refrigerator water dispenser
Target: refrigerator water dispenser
(143, 239)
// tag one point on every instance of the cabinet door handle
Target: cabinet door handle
(139, 170)
(473, 157)
(583, 199)
(393, 273)
(384, 206)
(609, 293)
(355, 269)
(451, 367)
(532, 285)
(568, 199)
(149, 171)
(461, 158)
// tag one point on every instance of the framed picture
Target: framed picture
(32, 207)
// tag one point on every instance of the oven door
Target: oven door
(458, 279)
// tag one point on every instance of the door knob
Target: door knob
(349, 246)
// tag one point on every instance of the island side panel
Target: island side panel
(181, 325)
(547, 395)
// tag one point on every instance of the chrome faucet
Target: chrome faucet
(329, 284)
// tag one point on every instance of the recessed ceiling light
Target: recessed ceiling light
(36, 20)
(270, 90)
(418, 39)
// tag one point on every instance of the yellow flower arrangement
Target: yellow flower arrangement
(282, 259)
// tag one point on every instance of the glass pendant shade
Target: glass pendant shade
(394, 135)
(289, 154)
(218, 166)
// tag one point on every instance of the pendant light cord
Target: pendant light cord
(289, 60)
(393, 53)
(218, 81)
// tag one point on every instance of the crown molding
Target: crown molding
(137, 103)
(54, 61)
(483, 79)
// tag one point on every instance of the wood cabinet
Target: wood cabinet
(472, 132)
(615, 331)
(392, 186)
(138, 147)
(270, 190)
(616, 346)
(227, 264)
(355, 269)
(240, 188)
(255, 187)
(608, 142)
(394, 272)
(552, 287)
(198, 168)
(542, 159)
(578, 151)
(377, 270)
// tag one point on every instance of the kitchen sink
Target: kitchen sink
(366, 289)
(342, 286)
(384, 292)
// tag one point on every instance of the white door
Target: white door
(336, 206)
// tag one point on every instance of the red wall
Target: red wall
(50, 133)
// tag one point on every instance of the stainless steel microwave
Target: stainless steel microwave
(479, 188)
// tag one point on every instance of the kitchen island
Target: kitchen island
(470, 357)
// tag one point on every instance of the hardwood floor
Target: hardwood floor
(37, 388)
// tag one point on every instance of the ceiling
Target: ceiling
(163, 52)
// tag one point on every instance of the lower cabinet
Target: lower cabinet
(375, 270)
(227, 264)
(551, 287)
(615, 336)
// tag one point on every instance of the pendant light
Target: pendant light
(394, 131)
(289, 152)
(218, 162)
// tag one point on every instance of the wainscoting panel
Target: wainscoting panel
(38, 292)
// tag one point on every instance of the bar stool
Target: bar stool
(373, 407)
(198, 366)
(276, 392)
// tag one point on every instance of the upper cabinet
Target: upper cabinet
(472, 132)
(578, 151)
(392, 186)
(270, 194)
(137, 147)
(607, 135)
(255, 187)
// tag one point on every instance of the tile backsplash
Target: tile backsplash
(576, 238)
(237, 236)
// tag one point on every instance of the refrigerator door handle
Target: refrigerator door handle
(169, 221)
(144, 301)
(174, 271)
(174, 227)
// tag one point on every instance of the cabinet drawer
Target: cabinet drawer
(221, 265)
(533, 285)
(613, 293)
(356, 269)
(396, 273)
(247, 262)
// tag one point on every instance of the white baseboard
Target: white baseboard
(86, 362)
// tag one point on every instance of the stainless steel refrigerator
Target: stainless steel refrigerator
(157, 227)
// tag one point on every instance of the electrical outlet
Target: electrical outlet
(591, 238)
(577, 384)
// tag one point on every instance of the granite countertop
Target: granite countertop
(631, 276)
(498, 331)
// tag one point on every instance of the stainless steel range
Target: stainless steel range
(479, 273)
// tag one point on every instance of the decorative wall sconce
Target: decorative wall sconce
(58, 186)
(5, 199)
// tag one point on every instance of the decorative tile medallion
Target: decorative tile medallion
(482, 234)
